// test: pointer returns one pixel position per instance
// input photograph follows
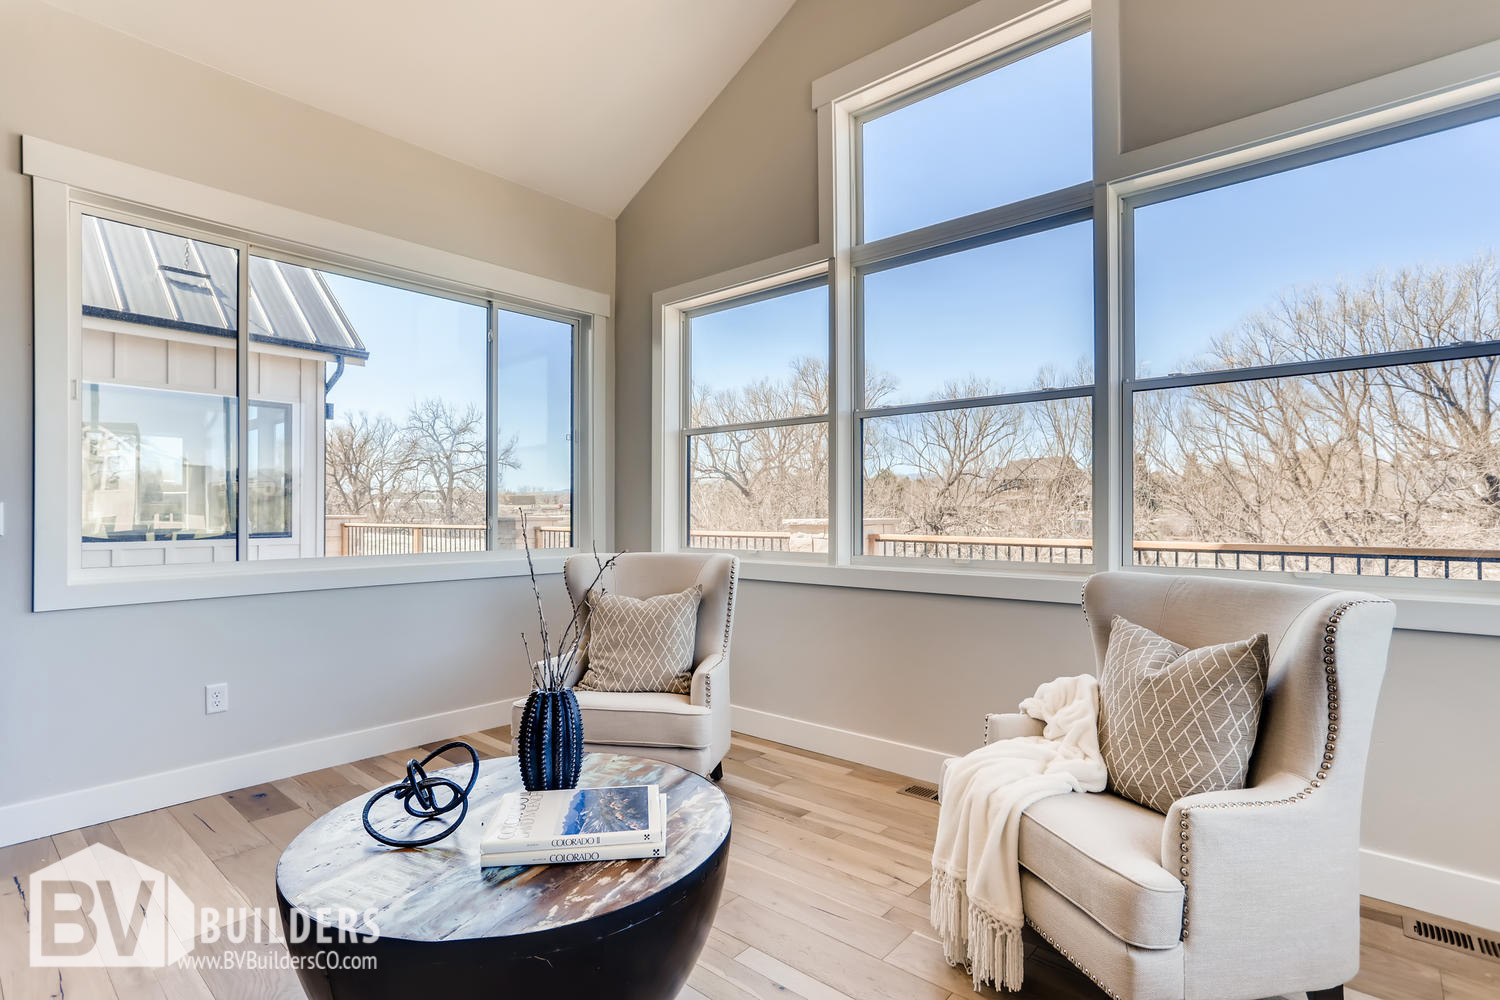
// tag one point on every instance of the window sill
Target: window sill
(1458, 608)
(114, 587)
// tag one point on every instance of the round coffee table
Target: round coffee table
(625, 929)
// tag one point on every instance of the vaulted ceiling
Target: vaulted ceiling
(579, 99)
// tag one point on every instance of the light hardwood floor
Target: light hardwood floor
(826, 896)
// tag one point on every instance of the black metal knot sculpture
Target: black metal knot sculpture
(418, 794)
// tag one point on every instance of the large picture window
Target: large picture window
(333, 413)
(1316, 353)
(974, 317)
(757, 436)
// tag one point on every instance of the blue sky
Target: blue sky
(1203, 263)
(424, 345)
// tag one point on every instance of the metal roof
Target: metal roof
(143, 276)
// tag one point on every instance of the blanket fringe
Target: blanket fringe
(988, 946)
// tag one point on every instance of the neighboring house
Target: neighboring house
(158, 399)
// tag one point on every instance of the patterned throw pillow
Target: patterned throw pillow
(642, 645)
(1175, 721)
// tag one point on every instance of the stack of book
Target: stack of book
(575, 824)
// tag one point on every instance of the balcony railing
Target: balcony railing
(1078, 551)
(551, 538)
(1353, 560)
(360, 538)
(740, 541)
(364, 538)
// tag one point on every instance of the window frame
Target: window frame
(1144, 194)
(1376, 111)
(689, 430)
(67, 184)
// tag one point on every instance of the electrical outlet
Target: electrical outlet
(215, 698)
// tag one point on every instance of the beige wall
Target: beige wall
(95, 697)
(1188, 64)
(922, 669)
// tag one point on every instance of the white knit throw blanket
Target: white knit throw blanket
(976, 877)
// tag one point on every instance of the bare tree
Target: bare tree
(447, 443)
(368, 466)
(1401, 455)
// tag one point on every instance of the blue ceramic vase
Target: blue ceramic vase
(550, 743)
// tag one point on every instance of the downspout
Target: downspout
(333, 380)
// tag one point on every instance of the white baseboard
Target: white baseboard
(1443, 892)
(43, 817)
(1474, 899)
(861, 748)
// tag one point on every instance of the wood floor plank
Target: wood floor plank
(751, 770)
(732, 981)
(922, 956)
(740, 752)
(158, 840)
(773, 799)
(283, 828)
(261, 978)
(18, 977)
(253, 874)
(1456, 987)
(870, 898)
(836, 853)
(320, 791)
(1390, 977)
(850, 865)
(259, 801)
(1388, 937)
(892, 810)
(487, 745)
(799, 904)
(825, 959)
(789, 978)
(218, 827)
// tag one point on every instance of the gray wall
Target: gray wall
(1189, 64)
(93, 697)
(922, 669)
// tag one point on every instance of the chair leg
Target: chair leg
(718, 772)
(1332, 993)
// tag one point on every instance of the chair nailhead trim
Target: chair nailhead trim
(734, 572)
(708, 680)
(1330, 635)
(1079, 966)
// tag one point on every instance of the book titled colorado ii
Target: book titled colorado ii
(575, 825)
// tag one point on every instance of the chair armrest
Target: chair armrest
(710, 681)
(711, 690)
(1267, 870)
(1010, 725)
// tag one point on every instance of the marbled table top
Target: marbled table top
(439, 893)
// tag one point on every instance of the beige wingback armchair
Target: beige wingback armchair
(1238, 894)
(690, 730)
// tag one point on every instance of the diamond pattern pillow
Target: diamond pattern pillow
(642, 645)
(1175, 721)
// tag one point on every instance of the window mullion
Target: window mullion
(242, 401)
(1115, 424)
(492, 429)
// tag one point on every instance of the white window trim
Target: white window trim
(976, 33)
(65, 178)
